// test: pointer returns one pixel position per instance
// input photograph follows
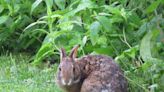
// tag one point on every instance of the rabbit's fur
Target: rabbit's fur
(91, 73)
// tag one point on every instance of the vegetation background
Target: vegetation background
(32, 31)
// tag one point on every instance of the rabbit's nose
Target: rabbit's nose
(69, 83)
(66, 82)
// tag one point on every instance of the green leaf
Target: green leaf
(83, 5)
(60, 3)
(47, 47)
(143, 28)
(76, 39)
(3, 19)
(16, 7)
(68, 25)
(84, 41)
(32, 33)
(146, 45)
(105, 22)
(52, 16)
(134, 19)
(153, 6)
(45, 50)
(131, 52)
(102, 40)
(150, 25)
(35, 4)
(113, 10)
(50, 38)
(104, 50)
(94, 30)
(49, 4)
(35, 23)
(1, 8)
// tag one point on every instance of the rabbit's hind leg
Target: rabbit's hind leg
(93, 84)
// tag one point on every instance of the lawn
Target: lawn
(17, 75)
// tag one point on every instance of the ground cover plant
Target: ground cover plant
(131, 31)
(18, 76)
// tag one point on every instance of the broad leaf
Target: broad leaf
(105, 22)
(145, 47)
(104, 50)
(102, 41)
(146, 44)
(60, 3)
(3, 19)
(113, 10)
(94, 30)
(1, 8)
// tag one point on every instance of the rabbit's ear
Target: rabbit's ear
(62, 53)
(73, 53)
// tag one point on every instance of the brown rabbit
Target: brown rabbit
(91, 73)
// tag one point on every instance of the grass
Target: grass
(17, 75)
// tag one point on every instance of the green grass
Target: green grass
(17, 75)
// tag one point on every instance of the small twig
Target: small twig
(124, 39)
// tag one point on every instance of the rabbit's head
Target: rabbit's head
(68, 71)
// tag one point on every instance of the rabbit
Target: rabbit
(69, 76)
(90, 73)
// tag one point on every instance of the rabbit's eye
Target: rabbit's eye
(73, 69)
(59, 69)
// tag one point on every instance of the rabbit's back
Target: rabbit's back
(101, 74)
